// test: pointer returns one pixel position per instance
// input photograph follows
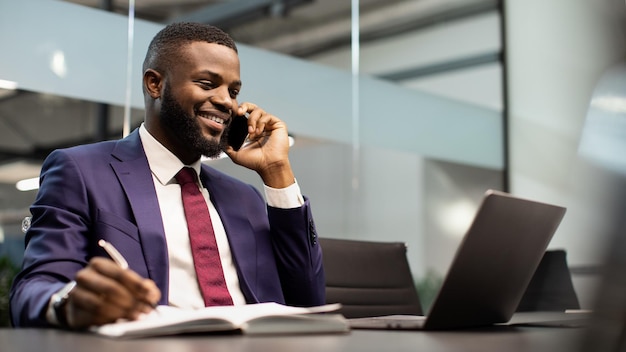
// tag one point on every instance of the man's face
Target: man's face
(186, 128)
(199, 97)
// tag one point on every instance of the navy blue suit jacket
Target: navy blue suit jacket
(105, 191)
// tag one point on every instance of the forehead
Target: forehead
(202, 56)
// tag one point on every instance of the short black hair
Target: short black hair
(165, 46)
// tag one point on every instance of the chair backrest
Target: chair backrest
(551, 288)
(369, 278)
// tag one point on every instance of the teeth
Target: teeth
(214, 118)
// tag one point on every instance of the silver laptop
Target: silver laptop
(491, 269)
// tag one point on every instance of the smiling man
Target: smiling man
(192, 236)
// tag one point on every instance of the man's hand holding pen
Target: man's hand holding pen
(105, 292)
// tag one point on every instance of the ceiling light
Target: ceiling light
(10, 85)
(58, 64)
(27, 184)
(456, 217)
(610, 103)
(18, 170)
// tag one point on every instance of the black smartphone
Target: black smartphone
(237, 131)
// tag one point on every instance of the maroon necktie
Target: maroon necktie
(206, 257)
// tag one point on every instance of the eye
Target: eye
(234, 93)
(206, 85)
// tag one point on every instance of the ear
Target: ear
(152, 83)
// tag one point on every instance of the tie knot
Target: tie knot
(186, 175)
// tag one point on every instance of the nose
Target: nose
(221, 99)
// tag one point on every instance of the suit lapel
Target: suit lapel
(133, 172)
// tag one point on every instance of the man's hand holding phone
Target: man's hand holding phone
(267, 151)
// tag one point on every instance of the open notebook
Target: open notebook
(491, 269)
(255, 319)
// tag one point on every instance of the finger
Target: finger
(153, 294)
(85, 308)
(264, 123)
(256, 118)
(132, 281)
(91, 307)
(93, 281)
(80, 316)
(246, 107)
(253, 120)
(121, 286)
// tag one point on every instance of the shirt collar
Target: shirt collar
(164, 165)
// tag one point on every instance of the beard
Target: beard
(185, 128)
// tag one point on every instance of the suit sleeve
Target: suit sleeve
(55, 245)
(298, 255)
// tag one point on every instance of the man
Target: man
(127, 193)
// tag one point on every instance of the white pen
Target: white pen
(114, 254)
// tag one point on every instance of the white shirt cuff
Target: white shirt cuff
(284, 198)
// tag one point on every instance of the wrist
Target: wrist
(278, 176)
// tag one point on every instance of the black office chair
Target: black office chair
(551, 288)
(369, 278)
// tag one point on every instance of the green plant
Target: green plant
(8, 270)
(427, 288)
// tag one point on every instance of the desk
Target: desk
(497, 338)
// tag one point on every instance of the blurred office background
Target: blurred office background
(404, 111)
